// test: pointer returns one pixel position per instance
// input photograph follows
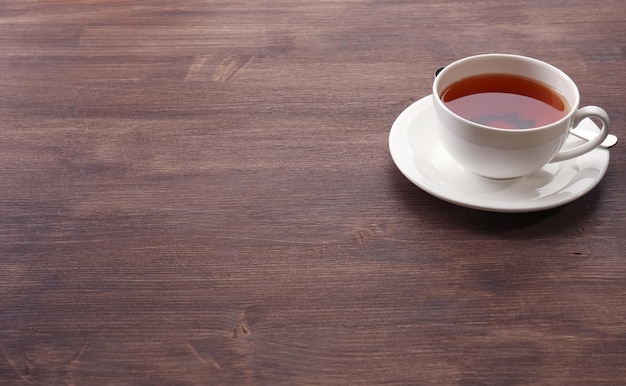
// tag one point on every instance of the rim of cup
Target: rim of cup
(523, 66)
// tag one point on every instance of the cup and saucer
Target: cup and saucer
(417, 151)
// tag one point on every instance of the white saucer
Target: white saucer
(417, 152)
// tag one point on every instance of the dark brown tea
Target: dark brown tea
(505, 101)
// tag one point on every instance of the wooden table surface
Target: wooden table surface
(201, 193)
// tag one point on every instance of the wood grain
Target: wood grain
(201, 193)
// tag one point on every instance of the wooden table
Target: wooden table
(201, 193)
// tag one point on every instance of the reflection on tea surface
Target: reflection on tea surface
(505, 101)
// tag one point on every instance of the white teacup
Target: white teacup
(501, 153)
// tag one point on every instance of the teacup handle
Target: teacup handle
(582, 113)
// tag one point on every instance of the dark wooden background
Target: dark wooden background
(201, 193)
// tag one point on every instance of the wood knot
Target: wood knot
(241, 330)
(362, 236)
(230, 66)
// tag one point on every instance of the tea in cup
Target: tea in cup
(505, 116)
